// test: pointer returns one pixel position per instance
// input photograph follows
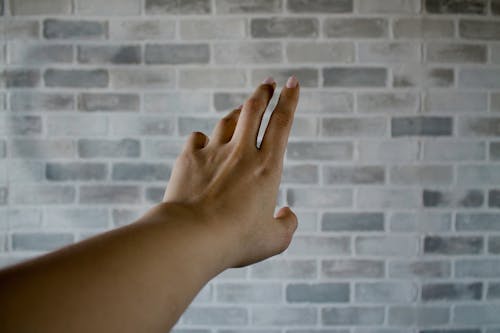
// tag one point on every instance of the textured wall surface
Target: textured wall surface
(392, 165)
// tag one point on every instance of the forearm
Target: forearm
(139, 278)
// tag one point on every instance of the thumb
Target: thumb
(287, 220)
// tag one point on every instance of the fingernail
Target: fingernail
(268, 80)
(292, 82)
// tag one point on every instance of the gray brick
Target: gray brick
(42, 148)
(478, 222)
(454, 151)
(247, 53)
(109, 194)
(4, 195)
(452, 292)
(75, 125)
(317, 293)
(186, 125)
(332, 151)
(248, 6)
(421, 76)
(355, 28)
(40, 241)
(455, 199)
(140, 171)
(107, 148)
(109, 54)
(494, 244)
(387, 102)
(319, 6)
(483, 314)
(319, 197)
(495, 151)
(162, 148)
(383, 198)
(495, 102)
(154, 194)
(139, 29)
(20, 125)
(423, 27)
(479, 78)
(42, 194)
(352, 222)
(76, 78)
(195, 78)
(456, 53)
(385, 292)
(175, 54)
(41, 101)
(142, 78)
(456, 7)
(226, 101)
(319, 245)
(388, 151)
(283, 27)
(484, 268)
(279, 268)
(249, 293)
(418, 315)
(279, 316)
(300, 174)
(352, 315)
(16, 29)
(178, 102)
(478, 175)
(419, 269)
(388, 52)
(221, 316)
(147, 126)
(452, 330)
(494, 198)
(40, 7)
(320, 52)
(325, 102)
(388, 246)
(479, 30)
(72, 29)
(108, 102)
(358, 127)
(174, 7)
(76, 218)
(388, 6)
(123, 216)
(453, 245)
(110, 7)
(56, 171)
(421, 126)
(352, 269)
(421, 174)
(354, 77)
(39, 54)
(493, 291)
(208, 29)
(22, 218)
(25, 171)
(459, 101)
(21, 78)
(307, 76)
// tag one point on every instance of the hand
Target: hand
(233, 184)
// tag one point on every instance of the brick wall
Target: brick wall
(391, 167)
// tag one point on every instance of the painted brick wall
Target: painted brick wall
(392, 165)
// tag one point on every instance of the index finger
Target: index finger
(278, 129)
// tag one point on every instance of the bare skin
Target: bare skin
(217, 213)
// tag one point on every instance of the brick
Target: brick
(108, 102)
(320, 52)
(421, 174)
(186, 125)
(221, 316)
(55, 171)
(125, 216)
(483, 314)
(352, 315)
(453, 245)
(307, 76)
(484, 268)
(319, 197)
(461, 101)
(494, 244)
(317, 293)
(421, 126)
(455, 199)
(195, 78)
(319, 6)
(325, 102)
(140, 171)
(419, 269)
(495, 151)
(139, 29)
(74, 125)
(20, 125)
(452, 292)
(479, 78)
(478, 222)
(175, 54)
(25, 171)
(248, 6)
(41, 101)
(177, 102)
(284, 27)
(42, 148)
(358, 127)
(385, 292)
(110, 7)
(418, 315)
(493, 291)
(72, 29)
(109, 54)
(39, 54)
(319, 245)
(231, 53)
(478, 175)
(387, 102)
(355, 28)
(209, 29)
(76, 218)
(154, 194)
(40, 7)
(388, 52)
(279, 268)
(351, 77)
(352, 222)
(76, 78)
(455, 7)
(148, 126)
(22, 218)
(354, 175)
(15, 29)
(42, 194)
(423, 27)
(174, 7)
(456, 53)
(40, 241)
(100, 148)
(320, 151)
(387, 151)
(162, 148)
(109, 194)
(249, 293)
(495, 102)
(388, 6)
(494, 198)
(479, 30)
(142, 78)
(383, 198)
(21, 78)
(388, 246)
(226, 101)
(453, 151)
(421, 76)
(300, 174)
(4, 195)
(352, 269)
(279, 316)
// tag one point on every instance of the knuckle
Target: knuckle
(254, 103)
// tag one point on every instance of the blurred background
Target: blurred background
(392, 166)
